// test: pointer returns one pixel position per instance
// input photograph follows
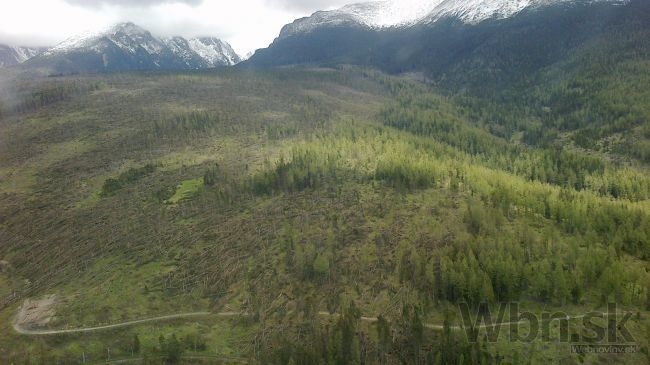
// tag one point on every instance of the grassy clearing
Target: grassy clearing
(186, 190)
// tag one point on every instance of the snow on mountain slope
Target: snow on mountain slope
(476, 11)
(472, 11)
(371, 14)
(25, 53)
(247, 56)
(214, 51)
(401, 13)
(127, 36)
(180, 47)
(10, 55)
(140, 45)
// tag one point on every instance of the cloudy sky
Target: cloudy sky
(246, 24)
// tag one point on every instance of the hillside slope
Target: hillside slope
(290, 193)
(496, 48)
(568, 57)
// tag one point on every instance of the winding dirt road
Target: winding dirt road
(36, 332)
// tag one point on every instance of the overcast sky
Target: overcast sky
(246, 24)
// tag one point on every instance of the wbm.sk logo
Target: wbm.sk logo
(592, 332)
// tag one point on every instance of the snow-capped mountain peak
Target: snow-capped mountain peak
(474, 11)
(374, 14)
(130, 37)
(401, 13)
(127, 28)
(128, 46)
(391, 12)
(127, 36)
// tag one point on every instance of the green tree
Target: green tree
(322, 265)
(384, 339)
(171, 349)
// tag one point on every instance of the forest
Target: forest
(317, 215)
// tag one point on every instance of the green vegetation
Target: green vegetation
(186, 190)
(131, 175)
(306, 169)
(342, 211)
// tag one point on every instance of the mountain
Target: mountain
(214, 51)
(408, 13)
(10, 55)
(248, 55)
(578, 66)
(437, 35)
(127, 46)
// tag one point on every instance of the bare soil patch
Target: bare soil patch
(36, 312)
